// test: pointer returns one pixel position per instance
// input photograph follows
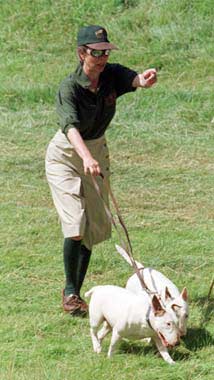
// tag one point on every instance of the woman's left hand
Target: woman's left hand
(146, 79)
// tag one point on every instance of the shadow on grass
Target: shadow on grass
(179, 353)
(136, 348)
(207, 306)
(198, 338)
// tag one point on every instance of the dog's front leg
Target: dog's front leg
(163, 351)
(114, 339)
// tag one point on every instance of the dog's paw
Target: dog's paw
(98, 349)
(171, 362)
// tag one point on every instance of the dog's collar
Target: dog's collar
(149, 323)
(148, 319)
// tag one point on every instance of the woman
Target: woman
(85, 105)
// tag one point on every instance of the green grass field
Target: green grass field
(161, 144)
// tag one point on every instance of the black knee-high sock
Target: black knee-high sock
(84, 258)
(71, 252)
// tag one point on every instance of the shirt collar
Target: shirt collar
(81, 78)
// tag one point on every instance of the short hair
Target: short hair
(80, 50)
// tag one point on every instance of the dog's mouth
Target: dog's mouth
(164, 341)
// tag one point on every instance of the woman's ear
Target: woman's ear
(81, 57)
(81, 54)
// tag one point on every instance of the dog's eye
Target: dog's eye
(169, 324)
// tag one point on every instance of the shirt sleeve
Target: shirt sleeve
(66, 106)
(123, 79)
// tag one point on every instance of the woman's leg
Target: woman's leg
(84, 258)
(72, 257)
(71, 253)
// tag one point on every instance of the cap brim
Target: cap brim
(103, 46)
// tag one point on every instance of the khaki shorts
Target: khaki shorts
(80, 208)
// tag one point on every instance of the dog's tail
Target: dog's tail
(91, 291)
(125, 255)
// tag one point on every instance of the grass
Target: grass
(161, 144)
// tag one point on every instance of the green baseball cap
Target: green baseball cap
(95, 37)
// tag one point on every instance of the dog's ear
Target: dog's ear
(175, 307)
(167, 294)
(157, 307)
(184, 294)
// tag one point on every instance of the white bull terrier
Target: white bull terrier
(172, 299)
(129, 315)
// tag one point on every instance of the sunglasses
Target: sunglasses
(97, 53)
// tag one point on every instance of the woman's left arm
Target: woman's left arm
(146, 79)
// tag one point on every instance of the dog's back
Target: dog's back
(155, 281)
(109, 302)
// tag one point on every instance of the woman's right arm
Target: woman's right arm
(89, 163)
(68, 116)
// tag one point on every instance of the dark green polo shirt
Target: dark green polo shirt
(91, 113)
